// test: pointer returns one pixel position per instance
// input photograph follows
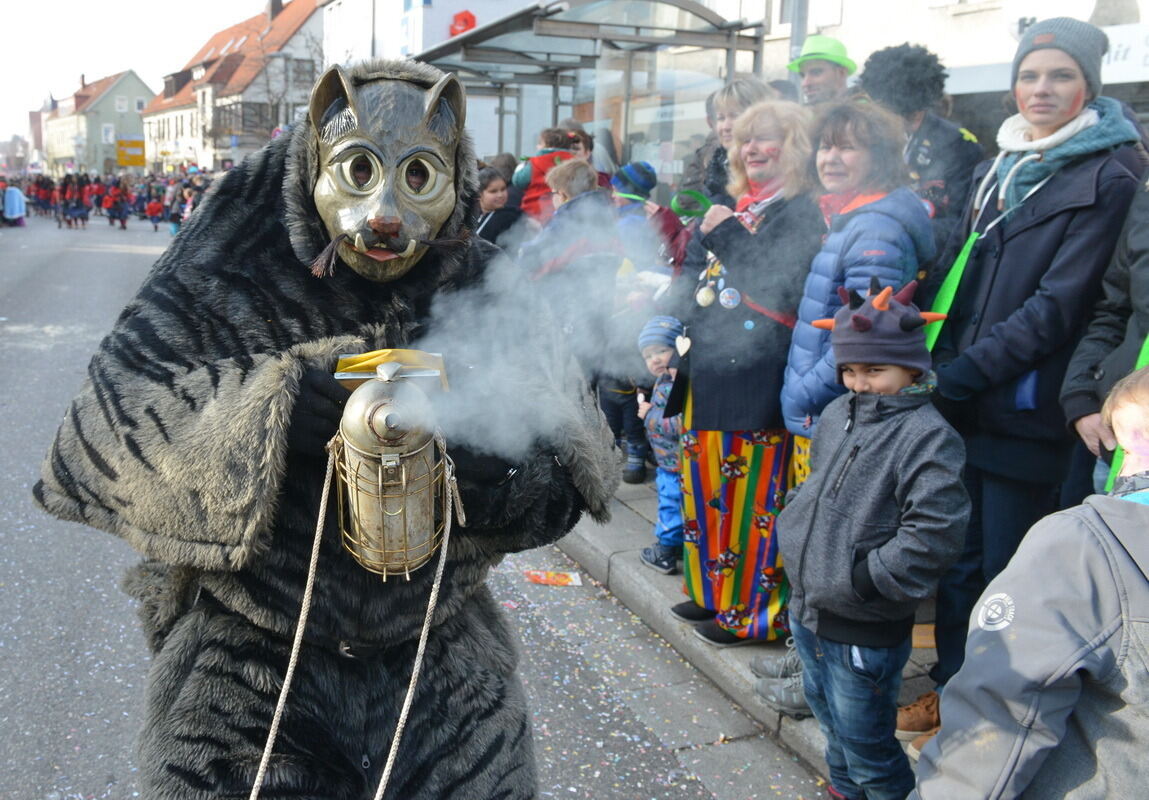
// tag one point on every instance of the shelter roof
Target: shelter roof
(541, 42)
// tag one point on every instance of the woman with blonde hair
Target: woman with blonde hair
(738, 320)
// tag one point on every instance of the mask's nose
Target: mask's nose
(385, 226)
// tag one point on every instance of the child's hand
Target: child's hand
(643, 406)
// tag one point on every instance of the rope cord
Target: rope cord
(305, 608)
(454, 503)
(453, 495)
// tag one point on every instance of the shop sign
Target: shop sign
(1128, 58)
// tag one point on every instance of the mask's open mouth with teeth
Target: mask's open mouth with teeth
(374, 251)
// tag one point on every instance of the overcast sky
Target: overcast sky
(49, 43)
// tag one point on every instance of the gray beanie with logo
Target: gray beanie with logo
(1086, 44)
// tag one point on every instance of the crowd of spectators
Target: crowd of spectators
(767, 305)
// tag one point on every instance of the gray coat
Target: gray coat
(1052, 700)
(881, 516)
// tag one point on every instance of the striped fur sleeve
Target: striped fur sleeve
(186, 467)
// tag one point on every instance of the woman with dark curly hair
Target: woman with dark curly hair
(910, 81)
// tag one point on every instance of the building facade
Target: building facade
(81, 133)
(242, 88)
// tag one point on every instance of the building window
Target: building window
(121, 103)
(140, 104)
(406, 5)
(256, 118)
(108, 133)
(302, 73)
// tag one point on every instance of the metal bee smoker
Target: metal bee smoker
(395, 477)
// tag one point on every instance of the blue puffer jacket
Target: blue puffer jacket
(889, 239)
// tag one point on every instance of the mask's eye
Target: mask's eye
(360, 171)
(417, 175)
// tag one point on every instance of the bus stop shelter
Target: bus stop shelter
(634, 73)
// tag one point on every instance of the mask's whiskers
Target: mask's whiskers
(324, 263)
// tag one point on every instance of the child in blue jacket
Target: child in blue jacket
(657, 342)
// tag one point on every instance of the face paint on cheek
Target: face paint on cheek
(772, 153)
(1078, 102)
(1138, 444)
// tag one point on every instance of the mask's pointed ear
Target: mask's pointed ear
(332, 87)
(446, 109)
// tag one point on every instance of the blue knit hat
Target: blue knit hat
(636, 178)
(659, 330)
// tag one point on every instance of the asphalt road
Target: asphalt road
(617, 714)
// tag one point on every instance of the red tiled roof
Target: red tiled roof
(234, 56)
(91, 92)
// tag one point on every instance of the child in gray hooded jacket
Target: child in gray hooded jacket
(866, 537)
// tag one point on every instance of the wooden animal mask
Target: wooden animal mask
(386, 167)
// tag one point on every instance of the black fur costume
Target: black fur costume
(177, 443)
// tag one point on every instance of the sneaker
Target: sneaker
(689, 611)
(714, 634)
(661, 558)
(914, 751)
(777, 665)
(918, 717)
(785, 695)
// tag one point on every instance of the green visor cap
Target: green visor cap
(823, 48)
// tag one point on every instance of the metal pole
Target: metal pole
(518, 120)
(502, 112)
(798, 24)
(373, 4)
(627, 88)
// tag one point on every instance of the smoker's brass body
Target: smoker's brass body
(391, 473)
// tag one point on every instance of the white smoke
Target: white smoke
(507, 342)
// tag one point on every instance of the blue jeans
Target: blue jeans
(668, 528)
(853, 691)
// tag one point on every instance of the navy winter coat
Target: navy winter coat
(890, 239)
(1021, 309)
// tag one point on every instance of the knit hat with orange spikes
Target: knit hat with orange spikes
(882, 328)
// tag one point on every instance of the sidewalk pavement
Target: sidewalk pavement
(610, 554)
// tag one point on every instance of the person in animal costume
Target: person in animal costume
(199, 438)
